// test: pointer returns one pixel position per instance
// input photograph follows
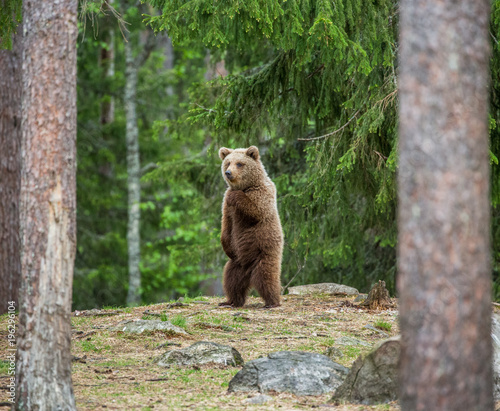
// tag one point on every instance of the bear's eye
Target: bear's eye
(239, 165)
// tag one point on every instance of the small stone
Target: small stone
(323, 288)
(202, 352)
(359, 298)
(139, 326)
(380, 332)
(334, 353)
(352, 341)
(258, 399)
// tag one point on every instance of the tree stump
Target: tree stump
(378, 297)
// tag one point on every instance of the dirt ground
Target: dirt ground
(113, 370)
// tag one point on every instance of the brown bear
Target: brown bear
(251, 234)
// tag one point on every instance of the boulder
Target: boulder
(323, 288)
(495, 335)
(373, 378)
(139, 326)
(300, 373)
(202, 352)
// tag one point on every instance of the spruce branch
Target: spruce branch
(316, 71)
(333, 132)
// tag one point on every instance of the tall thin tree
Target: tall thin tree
(133, 177)
(133, 63)
(48, 205)
(444, 218)
(10, 173)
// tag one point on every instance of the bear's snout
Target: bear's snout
(229, 175)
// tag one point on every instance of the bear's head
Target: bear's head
(241, 167)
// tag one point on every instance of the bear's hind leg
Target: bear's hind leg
(266, 280)
(236, 284)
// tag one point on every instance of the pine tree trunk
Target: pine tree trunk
(48, 205)
(134, 174)
(10, 173)
(444, 218)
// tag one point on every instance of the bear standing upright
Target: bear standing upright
(251, 234)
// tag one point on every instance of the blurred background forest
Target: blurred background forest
(162, 85)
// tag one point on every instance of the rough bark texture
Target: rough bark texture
(10, 173)
(378, 297)
(48, 205)
(134, 175)
(444, 220)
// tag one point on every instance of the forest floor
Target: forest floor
(114, 370)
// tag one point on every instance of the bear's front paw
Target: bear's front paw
(234, 197)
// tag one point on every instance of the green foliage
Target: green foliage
(301, 69)
(10, 17)
(179, 321)
(383, 325)
(89, 346)
(170, 236)
(314, 84)
(311, 82)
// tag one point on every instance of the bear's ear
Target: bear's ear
(224, 152)
(253, 152)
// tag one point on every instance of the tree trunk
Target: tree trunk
(444, 218)
(134, 175)
(168, 63)
(10, 173)
(48, 205)
(108, 62)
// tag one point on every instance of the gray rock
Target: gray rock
(380, 332)
(495, 335)
(334, 353)
(139, 326)
(373, 379)
(258, 399)
(360, 297)
(352, 341)
(202, 352)
(300, 373)
(323, 288)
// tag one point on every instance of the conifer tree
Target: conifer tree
(48, 205)
(444, 207)
(10, 172)
(315, 84)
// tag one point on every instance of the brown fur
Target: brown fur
(251, 234)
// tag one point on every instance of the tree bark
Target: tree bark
(444, 218)
(10, 173)
(108, 62)
(48, 205)
(134, 175)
